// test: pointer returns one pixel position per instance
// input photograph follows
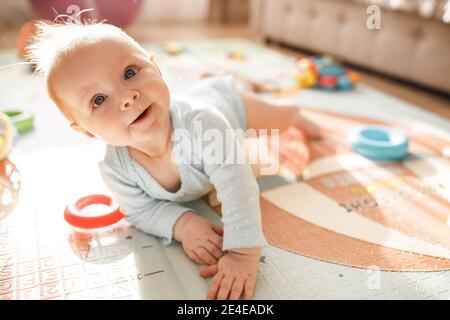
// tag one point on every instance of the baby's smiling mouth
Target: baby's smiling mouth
(142, 115)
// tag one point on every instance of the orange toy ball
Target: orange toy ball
(354, 77)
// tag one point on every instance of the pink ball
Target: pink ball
(117, 12)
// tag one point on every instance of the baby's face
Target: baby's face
(114, 91)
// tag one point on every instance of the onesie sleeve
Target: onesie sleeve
(235, 184)
(152, 216)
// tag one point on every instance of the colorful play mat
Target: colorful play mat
(341, 227)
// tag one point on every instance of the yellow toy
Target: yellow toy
(324, 73)
(307, 73)
(307, 79)
(6, 135)
(173, 47)
(236, 55)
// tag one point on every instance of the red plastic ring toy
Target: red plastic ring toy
(75, 217)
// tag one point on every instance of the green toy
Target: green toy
(22, 120)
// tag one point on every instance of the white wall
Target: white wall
(16, 12)
(174, 10)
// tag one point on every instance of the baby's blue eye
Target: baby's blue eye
(129, 73)
(98, 100)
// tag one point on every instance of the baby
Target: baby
(110, 88)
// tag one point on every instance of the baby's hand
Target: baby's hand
(234, 275)
(201, 240)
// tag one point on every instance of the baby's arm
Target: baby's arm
(238, 192)
(201, 240)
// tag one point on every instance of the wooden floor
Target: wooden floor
(422, 97)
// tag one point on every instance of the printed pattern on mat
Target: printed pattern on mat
(406, 202)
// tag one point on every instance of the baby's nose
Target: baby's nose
(129, 100)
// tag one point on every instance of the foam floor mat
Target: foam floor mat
(339, 226)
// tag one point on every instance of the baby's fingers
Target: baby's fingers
(217, 229)
(194, 257)
(249, 287)
(215, 239)
(215, 285)
(205, 256)
(214, 250)
(209, 271)
(237, 289)
(225, 288)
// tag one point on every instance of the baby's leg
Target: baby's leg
(261, 160)
(261, 114)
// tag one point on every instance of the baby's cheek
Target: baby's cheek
(111, 130)
(159, 90)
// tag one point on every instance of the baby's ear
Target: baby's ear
(77, 127)
(153, 60)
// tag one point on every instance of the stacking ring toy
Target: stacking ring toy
(23, 120)
(75, 216)
(10, 182)
(379, 142)
(6, 135)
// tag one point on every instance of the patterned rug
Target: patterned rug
(337, 226)
(341, 207)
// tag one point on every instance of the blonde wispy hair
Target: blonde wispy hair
(52, 42)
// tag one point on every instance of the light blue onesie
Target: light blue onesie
(216, 104)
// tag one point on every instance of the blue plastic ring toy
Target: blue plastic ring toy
(379, 142)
